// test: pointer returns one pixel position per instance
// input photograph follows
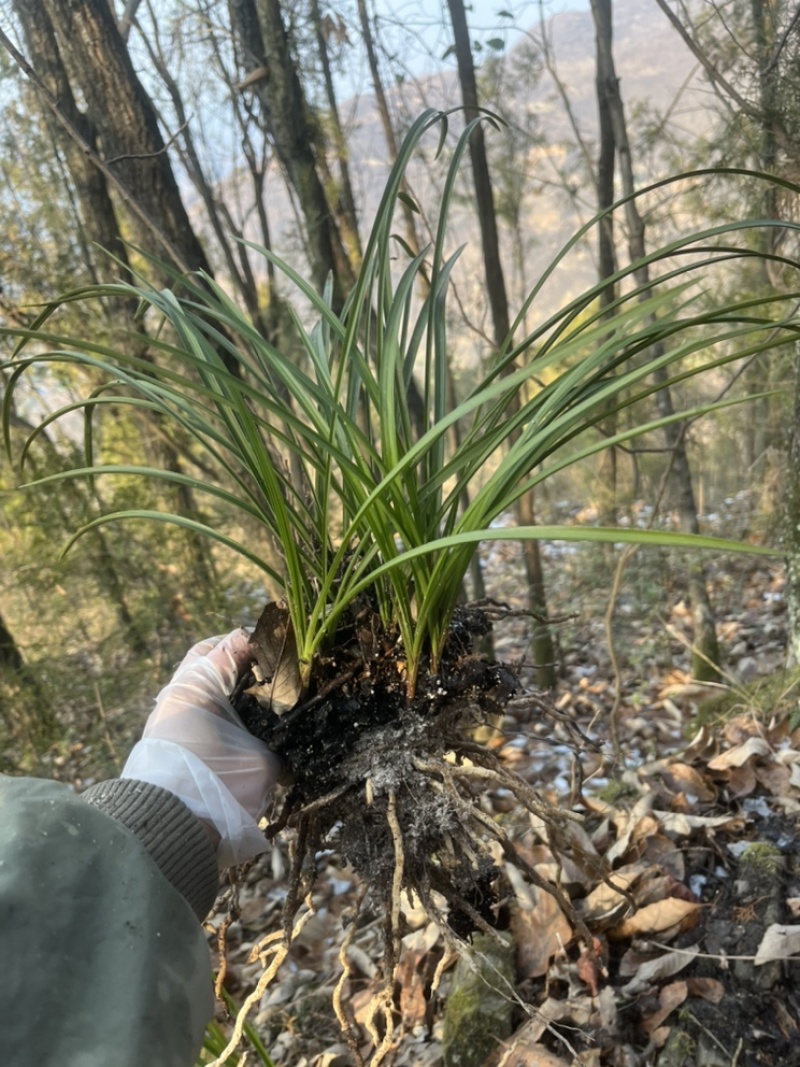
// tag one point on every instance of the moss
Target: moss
(761, 861)
(615, 790)
(478, 1011)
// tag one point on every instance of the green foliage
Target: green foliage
(324, 453)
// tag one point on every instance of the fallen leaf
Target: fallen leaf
(741, 781)
(681, 778)
(740, 754)
(655, 970)
(658, 918)
(670, 998)
(778, 943)
(710, 989)
(588, 967)
(606, 903)
(539, 933)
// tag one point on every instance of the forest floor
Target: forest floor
(685, 868)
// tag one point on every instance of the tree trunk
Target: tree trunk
(791, 529)
(544, 652)
(124, 119)
(97, 215)
(264, 52)
(348, 217)
(705, 649)
(606, 494)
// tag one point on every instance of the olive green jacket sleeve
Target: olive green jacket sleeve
(104, 962)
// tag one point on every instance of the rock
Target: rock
(478, 1011)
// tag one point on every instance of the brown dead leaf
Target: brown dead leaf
(710, 989)
(702, 746)
(658, 918)
(539, 933)
(606, 903)
(681, 778)
(670, 998)
(740, 754)
(275, 651)
(741, 781)
(775, 778)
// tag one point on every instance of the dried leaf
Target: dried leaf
(702, 746)
(740, 754)
(659, 917)
(588, 967)
(710, 989)
(681, 778)
(670, 998)
(275, 651)
(606, 903)
(741, 781)
(655, 970)
(539, 934)
(674, 822)
(778, 943)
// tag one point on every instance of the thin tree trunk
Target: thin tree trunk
(543, 648)
(348, 217)
(606, 494)
(263, 42)
(705, 649)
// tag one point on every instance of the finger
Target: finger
(201, 649)
(231, 656)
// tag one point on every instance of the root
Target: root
(347, 1025)
(279, 952)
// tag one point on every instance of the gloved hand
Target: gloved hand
(195, 745)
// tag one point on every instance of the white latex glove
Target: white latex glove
(195, 745)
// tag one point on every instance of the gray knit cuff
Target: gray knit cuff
(174, 837)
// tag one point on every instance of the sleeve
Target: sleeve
(104, 959)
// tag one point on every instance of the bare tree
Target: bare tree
(265, 56)
(705, 649)
(543, 648)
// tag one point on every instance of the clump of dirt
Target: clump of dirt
(390, 781)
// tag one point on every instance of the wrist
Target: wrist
(179, 844)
